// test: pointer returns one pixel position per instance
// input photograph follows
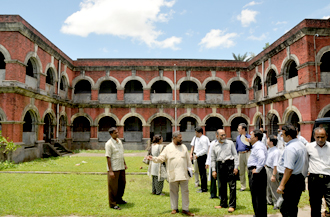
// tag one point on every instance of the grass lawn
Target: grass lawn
(86, 195)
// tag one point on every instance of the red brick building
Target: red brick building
(47, 96)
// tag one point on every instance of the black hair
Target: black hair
(290, 130)
(112, 129)
(199, 130)
(156, 138)
(243, 125)
(258, 133)
(273, 139)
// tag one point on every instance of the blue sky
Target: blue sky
(171, 29)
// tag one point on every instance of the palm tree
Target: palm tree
(244, 57)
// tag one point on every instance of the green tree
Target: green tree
(266, 45)
(243, 57)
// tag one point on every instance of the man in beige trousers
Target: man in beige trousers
(177, 161)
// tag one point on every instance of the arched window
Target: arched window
(325, 62)
(327, 115)
(213, 87)
(108, 87)
(292, 70)
(63, 84)
(81, 124)
(161, 126)
(257, 84)
(188, 124)
(133, 86)
(48, 128)
(106, 123)
(28, 123)
(188, 87)
(2, 61)
(271, 78)
(50, 76)
(29, 128)
(83, 86)
(31, 69)
(237, 87)
(273, 124)
(161, 87)
(259, 123)
(133, 124)
(62, 128)
(234, 125)
(294, 120)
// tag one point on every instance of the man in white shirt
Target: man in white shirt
(213, 185)
(200, 150)
(194, 161)
(319, 171)
(271, 169)
(114, 152)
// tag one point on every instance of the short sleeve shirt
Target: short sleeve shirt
(115, 151)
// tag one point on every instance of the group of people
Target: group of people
(276, 175)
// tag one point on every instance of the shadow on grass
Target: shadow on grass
(127, 205)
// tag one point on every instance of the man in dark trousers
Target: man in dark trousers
(224, 161)
(291, 168)
(257, 173)
(200, 149)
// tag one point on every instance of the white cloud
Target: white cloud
(183, 12)
(326, 17)
(275, 29)
(281, 23)
(190, 33)
(247, 17)
(122, 18)
(251, 4)
(260, 38)
(104, 50)
(218, 38)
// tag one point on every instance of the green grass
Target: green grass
(76, 164)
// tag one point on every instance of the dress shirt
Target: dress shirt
(208, 159)
(177, 162)
(115, 151)
(201, 145)
(240, 146)
(264, 138)
(222, 152)
(318, 158)
(258, 156)
(294, 157)
(302, 139)
(273, 156)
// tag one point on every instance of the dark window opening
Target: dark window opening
(213, 124)
(188, 87)
(257, 84)
(27, 126)
(327, 114)
(292, 70)
(161, 126)
(62, 124)
(108, 87)
(236, 122)
(325, 62)
(63, 84)
(106, 123)
(237, 87)
(259, 123)
(273, 125)
(271, 78)
(294, 119)
(2, 61)
(30, 69)
(188, 124)
(133, 124)
(81, 124)
(50, 77)
(82, 86)
(161, 87)
(213, 87)
(133, 87)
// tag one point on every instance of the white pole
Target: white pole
(58, 106)
(175, 124)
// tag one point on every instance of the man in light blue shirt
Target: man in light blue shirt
(257, 173)
(292, 169)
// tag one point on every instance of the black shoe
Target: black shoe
(122, 202)
(213, 197)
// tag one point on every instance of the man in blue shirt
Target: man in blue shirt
(292, 168)
(243, 149)
(257, 174)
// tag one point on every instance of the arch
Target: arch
(169, 81)
(199, 122)
(217, 115)
(63, 113)
(104, 123)
(273, 111)
(36, 59)
(239, 88)
(254, 77)
(82, 77)
(52, 66)
(157, 115)
(213, 87)
(231, 118)
(123, 119)
(272, 127)
(131, 78)
(82, 115)
(287, 60)
(189, 86)
(323, 111)
(106, 78)
(207, 80)
(65, 84)
(199, 85)
(82, 87)
(272, 67)
(255, 118)
(3, 116)
(321, 52)
(257, 83)
(52, 114)
(271, 78)
(325, 63)
(63, 74)
(100, 116)
(161, 87)
(287, 112)
(5, 53)
(243, 80)
(33, 109)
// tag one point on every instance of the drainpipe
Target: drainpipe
(263, 95)
(175, 112)
(58, 106)
(316, 74)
